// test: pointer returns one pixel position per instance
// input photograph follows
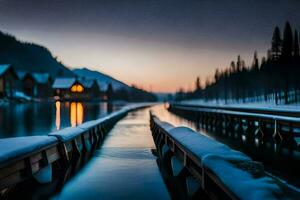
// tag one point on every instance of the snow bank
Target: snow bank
(11, 148)
(245, 178)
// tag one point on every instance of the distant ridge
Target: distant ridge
(30, 57)
(102, 78)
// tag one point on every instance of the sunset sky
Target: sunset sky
(160, 45)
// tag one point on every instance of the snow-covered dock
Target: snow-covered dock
(211, 168)
(252, 124)
(36, 157)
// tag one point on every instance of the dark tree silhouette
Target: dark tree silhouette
(275, 78)
(287, 43)
(255, 64)
(198, 84)
(296, 44)
(276, 44)
(109, 92)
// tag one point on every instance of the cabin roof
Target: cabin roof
(63, 83)
(41, 78)
(21, 74)
(88, 83)
(4, 68)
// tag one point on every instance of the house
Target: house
(43, 85)
(68, 88)
(35, 84)
(8, 78)
(92, 89)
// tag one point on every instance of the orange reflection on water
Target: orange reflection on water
(76, 114)
(57, 115)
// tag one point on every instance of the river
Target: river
(41, 118)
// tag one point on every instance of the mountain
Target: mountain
(30, 57)
(121, 91)
(102, 78)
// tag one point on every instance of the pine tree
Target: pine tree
(198, 84)
(255, 64)
(109, 92)
(239, 64)
(287, 44)
(232, 67)
(276, 44)
(296, 44)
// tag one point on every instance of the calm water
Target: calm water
(27, 119)
(123, 167)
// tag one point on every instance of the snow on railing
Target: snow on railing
(29, 157)
(281, 128)
(211, 168)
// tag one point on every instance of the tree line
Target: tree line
(271, 78)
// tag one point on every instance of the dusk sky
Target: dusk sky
(160, 45)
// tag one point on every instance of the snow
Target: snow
(87, 83)
(67, 134)
(11, 148)
(63, 83)
(4, 68)
(89, 124)
(21, 95)
(267, 116)
(244, 177)
(269, 106)
(242, 182)
(41, 78)
(21, 74)
(164, 125)
(202, 146)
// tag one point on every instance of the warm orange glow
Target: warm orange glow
(77, 88)
(57, 115)
(79, 113)
(76, 114)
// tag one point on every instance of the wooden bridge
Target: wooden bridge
(250, 123)
(210, 170)
(38, 157)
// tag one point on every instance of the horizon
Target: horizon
(152, 40)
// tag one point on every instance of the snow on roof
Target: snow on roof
(4, 68)
(87, 83)
(21, 74)
(63, 83)
(41, 78)
(102, 85)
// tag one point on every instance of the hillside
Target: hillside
(121, 90)
(29, 57)
(104, 79)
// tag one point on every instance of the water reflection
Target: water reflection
(57, 115)
(28, 119)
(76, 114)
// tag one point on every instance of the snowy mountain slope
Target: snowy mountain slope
(102, 78)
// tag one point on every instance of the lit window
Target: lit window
(77, 88)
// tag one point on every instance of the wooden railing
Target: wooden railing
(250, 124)
(199, 180)
(39, 156)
